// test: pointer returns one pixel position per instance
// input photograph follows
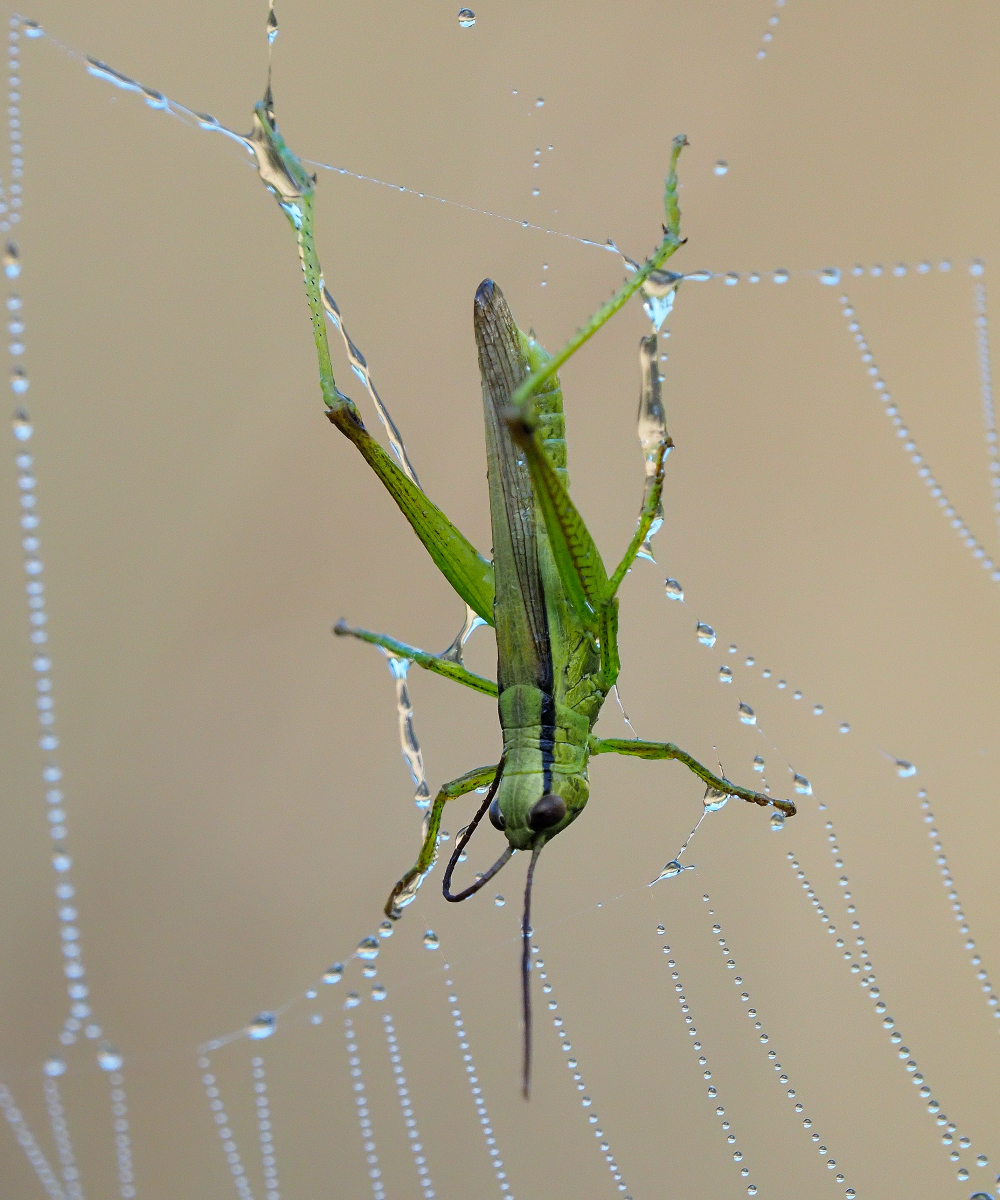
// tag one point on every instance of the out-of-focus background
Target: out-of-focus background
(237, 807)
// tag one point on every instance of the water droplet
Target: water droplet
(32, 29)
(673, 589)
(671, 869)
(334, 974)
(379, 992)
(540, 102)
(976, 267)
(982, 1160)
(262, 1026)
(747, 714)
(61, 862)
(732, 278)
(499, 901)
(721, 167)
(108, 1058)
(352, 1000)
(713, 801)
(781, 276)
(725, 675)
(54, 1067)
(367, 948)
(11, 261)
(21, 424)
(844, 727)
(431, 940)
(18, 381)
(830, 276)
(659, 292)
(817, 710)
(904, 769)
(466, 18)
(272, 26)
(660, 930)
(777, 822)
(385, 929)
(705, 633)
(963, 1174)
(802, 785)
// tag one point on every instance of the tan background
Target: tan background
(238, 806)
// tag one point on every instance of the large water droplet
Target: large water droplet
(747, 714)
(262, 1026)
(334, 974)
(714, 800)
(673, 589)
(802, 785)
(705, 633)
(108, 1058)
(431, 940)
(725, 675)
(54, 1067)
(777, 822)
(11, 261)
(659, 292)
(367, 948)
(21, 424)
(671, 869)
(466, 18)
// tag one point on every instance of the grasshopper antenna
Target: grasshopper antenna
(463, 841)
(526, 972)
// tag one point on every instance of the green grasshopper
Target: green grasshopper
(546, 592)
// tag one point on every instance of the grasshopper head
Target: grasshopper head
(529, 815)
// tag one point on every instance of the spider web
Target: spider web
(782, 515)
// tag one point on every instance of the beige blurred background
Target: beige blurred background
(238, 807)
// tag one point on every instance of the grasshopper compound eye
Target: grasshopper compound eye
(546, 812)
(497, 819)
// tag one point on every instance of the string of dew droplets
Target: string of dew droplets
(573, 1065)
(986, 393)
(61, 1136)
(772, 1054)
(868, 981)
(472, 1075)
(768, 36)
(226, 1135)
(406, 1104)
(108, 1058)
(699, 1049)
(707, 636)
(916, 458)
(976, 961)
(26, 1140)
(264, 1134)
(363, 1112)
